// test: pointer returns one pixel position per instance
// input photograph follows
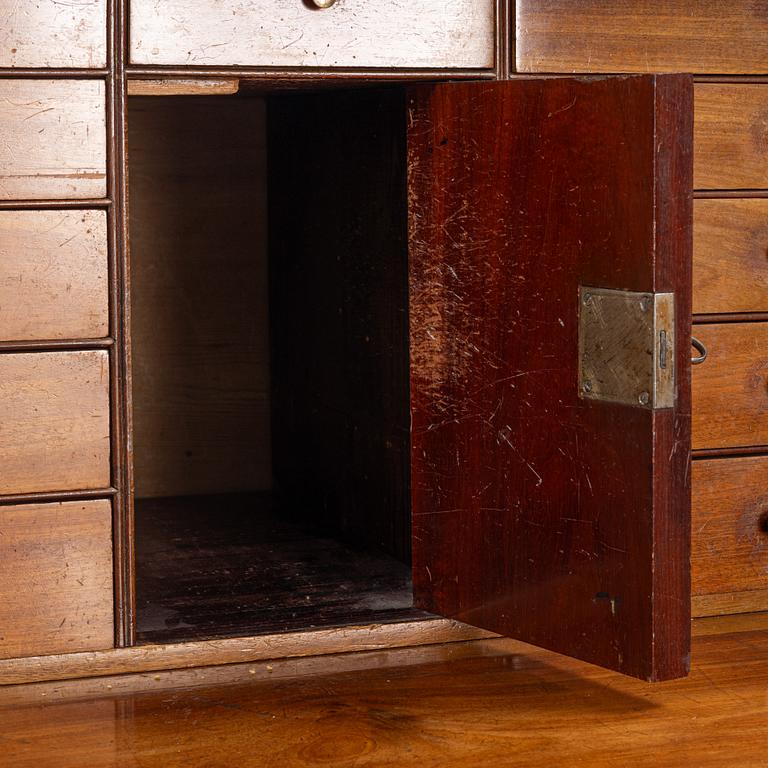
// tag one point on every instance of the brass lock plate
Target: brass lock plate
(627, 347)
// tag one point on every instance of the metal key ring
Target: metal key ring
(701, 349)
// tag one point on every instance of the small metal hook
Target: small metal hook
(701, 349)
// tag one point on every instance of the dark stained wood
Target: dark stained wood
(558, 521)
(338, 302)
(199, 304)
(730, 389)
(642, 36)
(495, 703)
(55, 578)
(228, 565)
(730, 532)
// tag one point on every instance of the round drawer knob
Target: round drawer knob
(323, 3)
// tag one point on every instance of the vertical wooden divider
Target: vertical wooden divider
(120, 385)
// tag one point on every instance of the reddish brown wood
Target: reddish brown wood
(561, 522)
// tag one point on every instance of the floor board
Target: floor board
(231, 565)
(483, 703)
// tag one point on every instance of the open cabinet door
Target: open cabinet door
(549, 222)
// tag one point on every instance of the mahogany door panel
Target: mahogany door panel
(642, 36)
(53, 275)
(538, 513)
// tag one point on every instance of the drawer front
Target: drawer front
(293, 33)
(730, 255)
(54, 421)
(53, 275)
(49, 33)
(642, 36)
(730, 149)
(53, 139)
(55, 578)
(730, 389)
(729, 557)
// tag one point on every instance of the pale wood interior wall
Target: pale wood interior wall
(199, 299)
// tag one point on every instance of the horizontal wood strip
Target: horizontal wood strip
(151, 658)
(722, 604)
(701, 36)
(46, 496)
(183, 87)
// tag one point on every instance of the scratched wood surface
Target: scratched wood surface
(731, 135)
(706, 36)
(537, 514)
(730, 389)
(54, 139)
(55, 578)
(52, 33)
(730, 255)
(730, 529)
(54, 421)
(496, 703)
(295, 33)
(53, 275)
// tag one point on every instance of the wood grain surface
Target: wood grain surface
(200, 330)
(704, 36)
(53, 275)
(493, 702)
(730, 527)
(731, 135)
(730, 389)
(51, 33)
(54, 421)
(292, 33)
(54, 139)
(55, 578)
(730, 255)
(314, 642)
(198, 86)
(538, 514)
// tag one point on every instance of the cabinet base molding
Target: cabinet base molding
(749, 601)
(155, 658)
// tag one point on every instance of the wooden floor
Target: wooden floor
(483, 703)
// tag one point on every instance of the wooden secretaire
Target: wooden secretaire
(326, 327)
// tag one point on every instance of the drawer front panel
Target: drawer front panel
(642, 36)
(53, 139)
(730, 389)
(53, 275)
(730, 255)
(730, 529)
(49, 33)
(55, 578)
(291, 33)
(54, 421)
(730, 149)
